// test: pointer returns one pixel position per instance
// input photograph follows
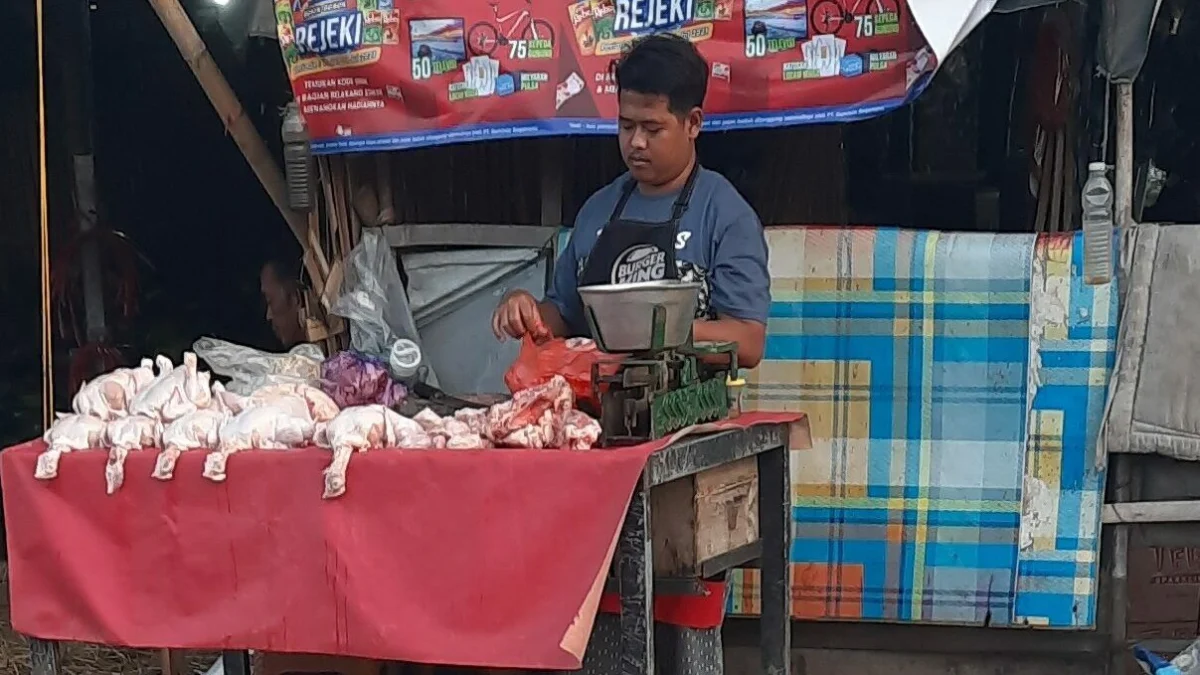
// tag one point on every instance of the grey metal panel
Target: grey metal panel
(453, 300)
(1155, 388)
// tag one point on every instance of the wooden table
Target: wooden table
(635, 580)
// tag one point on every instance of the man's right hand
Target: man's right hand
(518, 315)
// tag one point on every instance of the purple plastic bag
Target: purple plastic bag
(352, 379)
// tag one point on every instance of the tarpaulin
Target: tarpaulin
(467, 558)
(1125, 29)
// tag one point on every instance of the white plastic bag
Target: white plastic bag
(374, 301)
(250, 369)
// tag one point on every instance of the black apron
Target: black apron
(631, 251)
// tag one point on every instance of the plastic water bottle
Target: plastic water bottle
(1097, 201)
(297, 159)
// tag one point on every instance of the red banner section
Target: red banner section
(484, 558)
(387, 74)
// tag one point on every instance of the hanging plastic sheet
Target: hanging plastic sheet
(375, 302)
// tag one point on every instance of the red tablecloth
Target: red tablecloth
(469, 558)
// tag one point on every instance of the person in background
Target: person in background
(281, 288)
(667, 218)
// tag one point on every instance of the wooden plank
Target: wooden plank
(1152, 512)
(468, 234)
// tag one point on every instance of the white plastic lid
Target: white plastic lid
(1097, 166)
(404, 357)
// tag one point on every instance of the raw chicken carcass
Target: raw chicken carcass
(193, 431)
(580, 431)
(460, 437)
(108, 396)
(269, 427)
(320, 407)
(450, 432)
(122, 435)
(430, 421)
(174, 394)
(362, 428)
(70, 432)
(533, 417)
(474, 418)
(540, 417)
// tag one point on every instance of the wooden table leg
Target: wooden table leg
(43, 657)
(635, 581)
(173, 662)
(775, 526)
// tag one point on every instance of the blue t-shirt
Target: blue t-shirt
(720, 243)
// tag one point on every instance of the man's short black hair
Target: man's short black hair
(664, 64)
(287, 271)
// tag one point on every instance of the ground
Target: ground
(79, 659)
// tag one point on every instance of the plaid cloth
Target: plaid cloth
(954, 385)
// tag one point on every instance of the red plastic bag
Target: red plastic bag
(572, 358)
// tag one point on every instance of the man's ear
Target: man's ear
(695, 120)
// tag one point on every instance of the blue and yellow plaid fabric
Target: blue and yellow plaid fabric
(954, 384)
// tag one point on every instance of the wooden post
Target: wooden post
(229, 108)
(173, 662)
(1122, 477)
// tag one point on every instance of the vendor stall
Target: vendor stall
(170, 510)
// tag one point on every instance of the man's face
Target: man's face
(283, 308)
(656, 144)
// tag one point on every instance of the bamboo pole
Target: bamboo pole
(229, 108)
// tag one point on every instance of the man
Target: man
(693, 221)
(281, 290)
(682, 222)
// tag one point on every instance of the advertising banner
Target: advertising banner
(389, 74)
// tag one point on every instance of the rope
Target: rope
(44, 225)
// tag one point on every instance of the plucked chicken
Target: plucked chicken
(174, 394)
(108, 396)
(281, 426)
(70, 432)
(321, 408)
(533, 418)
(450, 432)
(474, 418)
(195, 430)
(580, 431)
(133, 432)
(540, 417)
(364, 428)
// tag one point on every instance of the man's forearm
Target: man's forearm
(553, 319)
(749, 336)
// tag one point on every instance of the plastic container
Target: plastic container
(297, 159)
(1097, 200)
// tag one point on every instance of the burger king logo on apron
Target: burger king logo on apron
(641, 262)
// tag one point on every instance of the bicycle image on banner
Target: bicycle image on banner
(390, 74)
